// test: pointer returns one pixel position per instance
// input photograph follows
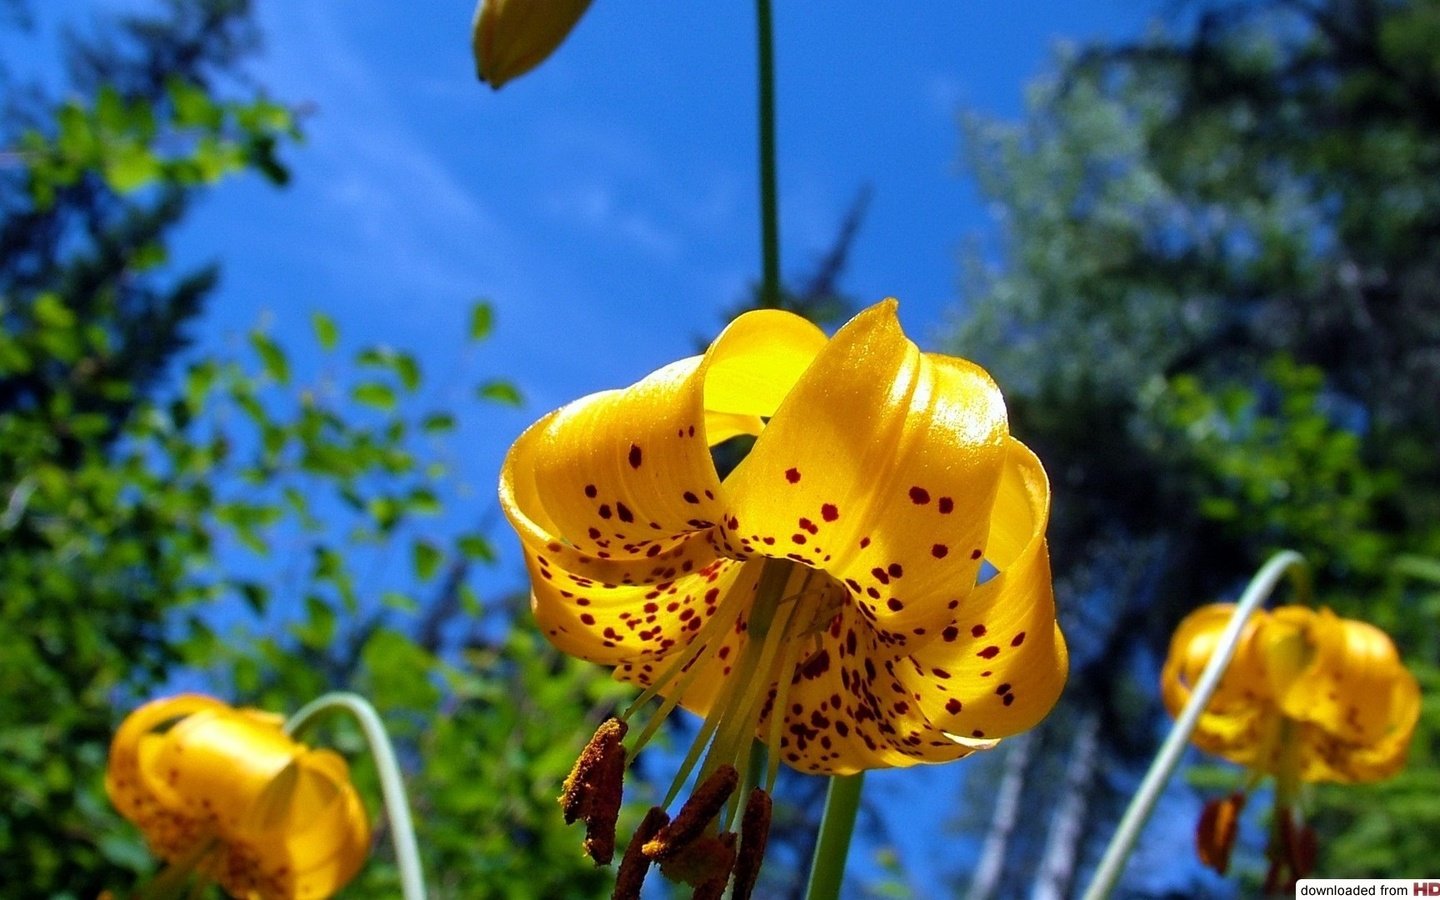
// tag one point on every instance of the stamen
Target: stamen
(593, 790)
(635, 864)
(696, 814)
(725, 614)
(703, 863)
(754, 835)
(753, 672)
(784, 678)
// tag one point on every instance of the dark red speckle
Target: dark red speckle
(591, 491)
(939, 551)
(978, 631)
(946, 506)
(829, 512)
(792, 476)
(634, 456)
(919, 495)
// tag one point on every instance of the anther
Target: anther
(696, 814)
(635, 864)
(592, 792)
(704, 863)
(754, 834)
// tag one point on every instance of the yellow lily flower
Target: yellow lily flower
(511, 37)
(1308, 697)
(1324, 697)
(823, 596)
(226, 793)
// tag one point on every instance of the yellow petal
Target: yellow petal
(511, 37)
(217, 762)
(616, 495)
(123, 781)
(880, 467)
(1240, 722)
(308, 833)
(1357, 698)
(1000, 661)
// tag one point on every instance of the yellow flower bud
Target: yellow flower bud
(511, 37)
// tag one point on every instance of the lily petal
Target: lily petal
(898, 509)
(1001, 661)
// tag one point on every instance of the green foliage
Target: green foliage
(1216, 320)
(229, 522)
(1268, 461)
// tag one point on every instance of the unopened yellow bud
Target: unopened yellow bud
(511, 37)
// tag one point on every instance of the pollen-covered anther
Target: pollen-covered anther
(635, 864)
(754, 834)
(592, 791)
(1216, 830)
(695, 815)
(704, 863)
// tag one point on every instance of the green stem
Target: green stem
(1260, 587)
(392, 786)
(769, 193)
(827, 870)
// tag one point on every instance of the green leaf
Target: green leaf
(482, 320)
(374, 394)
(277, 366)
(500, 392)
(327, 334)
(476, 547)
(426, 558)
(130, 166)
(408, 370)
(438, 423)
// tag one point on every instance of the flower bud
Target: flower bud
(511, 37)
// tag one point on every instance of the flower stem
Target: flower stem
(1260, 587)
(827, 870)
(392, 786)
(769, 193)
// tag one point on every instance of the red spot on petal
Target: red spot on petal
(978, 631)
(591, 491)
(989, 652)
(939, 551)
(634, 456)
(895, 605)
(829, 512)
(953, 706)
(587, 618)
(919, 495)
(690, 498)
(792, 476)
(950, 633)
(945, 505)
(1018, 639)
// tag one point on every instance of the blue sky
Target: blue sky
(606, 203)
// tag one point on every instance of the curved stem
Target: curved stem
(1260, 587)
(842, 803)
(769, 193)
(392, 786)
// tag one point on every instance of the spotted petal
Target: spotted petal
(616, 498)
(879, 468)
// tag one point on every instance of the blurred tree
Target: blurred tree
(89, 191)
(1217, 320)
(207, 525)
